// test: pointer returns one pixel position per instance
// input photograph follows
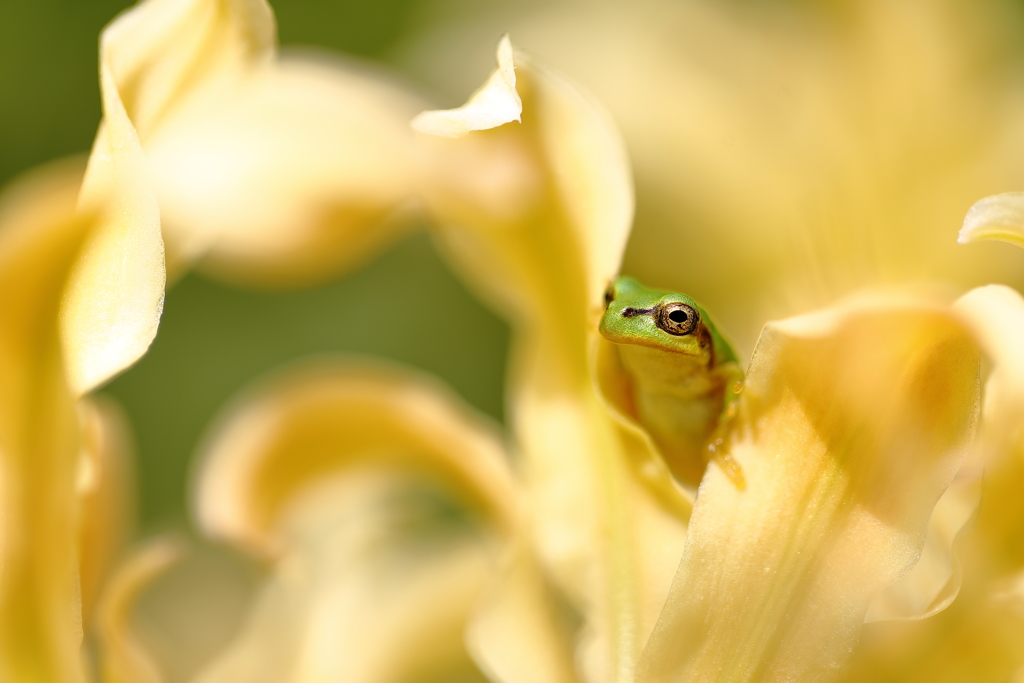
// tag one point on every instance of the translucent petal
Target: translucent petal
(162, 54)
(357, 596)
(309, 424)
(105, 489)
(301, 173)
(934, 581)
(995, 218)
(977, 637)
(997, 315)
(115, 295)
(536, 215)
(495, 103)
(518, 632)
(40, 618)
(381, 499)
(857, 419)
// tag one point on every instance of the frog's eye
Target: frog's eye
(677, 318)
(609, 296)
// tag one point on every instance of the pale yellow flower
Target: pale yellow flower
(854, 423)
(402, 539)
(786, 153)
(272, 169)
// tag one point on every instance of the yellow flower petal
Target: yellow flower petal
(122, 658)
(516, 633)
(858, 419)
(380, 497)
(995, 218)
(302, 172)
(115, 296)
(375, 585)
(40, 621)
(153, 59)
(997, 315)
(163, 54)
(977, 637)
(561, 180)
(309, 424)
(496, 103)
(934, 581)
(537, 216)
(105, 493)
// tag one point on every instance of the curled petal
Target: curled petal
(368, 590)
(162, 53)
(496, 103)
(537, 215)
(380, 498)
(301, 173)
(152, 59)
(123, 658)
(309, 425)
(115, 295)
(105, 492)
(935, 580)
(516, 632)
(996, 313)
(858, 419)
(538, 211)
(995, 218)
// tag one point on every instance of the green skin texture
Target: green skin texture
(685, 387)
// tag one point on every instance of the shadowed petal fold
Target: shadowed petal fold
(384, 506)
(857, 419)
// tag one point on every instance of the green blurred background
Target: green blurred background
(215, 339)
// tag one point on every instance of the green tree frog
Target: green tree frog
(685, 376)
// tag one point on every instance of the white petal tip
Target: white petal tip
(995, 218)
(493, 105)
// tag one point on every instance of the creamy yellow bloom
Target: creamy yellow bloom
(402, 539)
(385, 507)
(272, 169)
(854, 423)
(786, 153)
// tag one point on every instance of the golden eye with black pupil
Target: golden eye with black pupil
(677, 318)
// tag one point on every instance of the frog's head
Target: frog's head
(654, 318)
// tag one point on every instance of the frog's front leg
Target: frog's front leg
(717, 448)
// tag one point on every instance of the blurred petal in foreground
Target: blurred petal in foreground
(384, 505)
(858, 419)
(278, 171)
(788, 152)
(978, 637)
(40, 617)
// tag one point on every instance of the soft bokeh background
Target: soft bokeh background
(785, 152)
(213, 338)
